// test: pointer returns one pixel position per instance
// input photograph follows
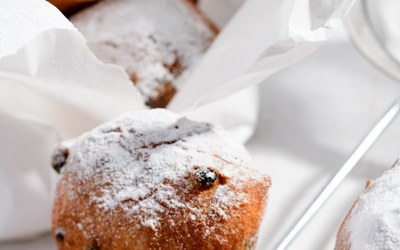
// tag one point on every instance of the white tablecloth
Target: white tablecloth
(312, 115)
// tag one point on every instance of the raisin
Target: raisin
(59, 234)
(206, 177)
(59, 158)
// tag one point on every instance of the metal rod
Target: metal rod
(355, 157)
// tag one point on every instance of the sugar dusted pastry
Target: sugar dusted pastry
(155, 41)
(373, 223)
(152, 180)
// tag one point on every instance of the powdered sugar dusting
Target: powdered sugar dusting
(143, 162)
(375, 220)
(154, 40)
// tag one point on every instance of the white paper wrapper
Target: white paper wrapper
(51, 84)
(262, 38)
(26, 184)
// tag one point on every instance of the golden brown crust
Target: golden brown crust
(342, 236)
(113, 230)
(194, 1)
(164, 96)
(69, 7)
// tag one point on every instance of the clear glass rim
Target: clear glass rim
(363, 35)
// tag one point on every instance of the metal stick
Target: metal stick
(355, 157)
